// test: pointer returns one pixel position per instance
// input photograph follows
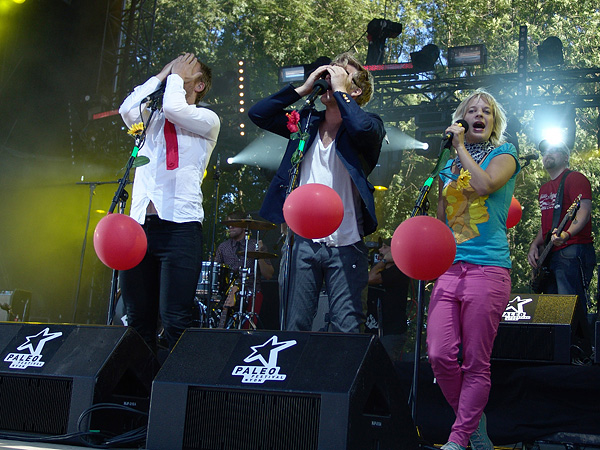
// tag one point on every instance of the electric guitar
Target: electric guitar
(541, 272)
(228, 304)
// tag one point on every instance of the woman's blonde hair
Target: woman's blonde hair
(499, 124)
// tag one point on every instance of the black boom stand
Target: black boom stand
(121, 197)
(421, 208)
(286, 248)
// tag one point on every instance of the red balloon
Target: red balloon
(514, 213)
(423, 247)
(120, 242)
(313, 211)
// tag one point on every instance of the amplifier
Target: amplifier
(540, 308)
(597, 343)
(536, 328)
(15, 305)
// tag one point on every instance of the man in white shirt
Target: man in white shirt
(167, 197)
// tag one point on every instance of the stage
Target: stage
(528, 403)
(225, 386)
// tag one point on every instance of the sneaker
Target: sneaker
(451, 446)
(480, 439)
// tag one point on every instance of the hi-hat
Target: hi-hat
(258, 255)
(251, 224)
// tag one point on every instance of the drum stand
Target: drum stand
(244, 315)
(247, 316)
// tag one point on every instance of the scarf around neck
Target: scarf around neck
(477, 151)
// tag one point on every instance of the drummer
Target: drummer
(232, 251)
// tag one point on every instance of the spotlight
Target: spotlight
(555, 123)
(378, 31)
(241, 94)
(424, 59)
(550, 52)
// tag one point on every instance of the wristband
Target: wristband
(569, 235)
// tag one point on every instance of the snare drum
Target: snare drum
(219, 281)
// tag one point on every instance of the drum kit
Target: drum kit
(225, 299)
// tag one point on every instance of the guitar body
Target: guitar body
(539, 278)
(542, 272)
(227, 306)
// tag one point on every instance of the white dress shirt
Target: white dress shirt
(176, 194)
(322, 165)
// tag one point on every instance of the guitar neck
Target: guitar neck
(561, 226)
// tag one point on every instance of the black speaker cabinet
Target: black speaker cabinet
(51, 374)
(15, 305)
(597, 342)
(536, 328)
(230, 390)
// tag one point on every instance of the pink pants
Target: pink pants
(465, 308)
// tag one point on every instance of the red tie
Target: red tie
(172, 147)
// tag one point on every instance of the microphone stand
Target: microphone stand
(92, 185)
(216, 177)
(288, 243)
(421, 208)
(121, 197)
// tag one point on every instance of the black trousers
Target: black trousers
(165, 281)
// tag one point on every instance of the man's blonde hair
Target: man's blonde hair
(362, 78)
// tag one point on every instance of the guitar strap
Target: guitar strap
(559, 200)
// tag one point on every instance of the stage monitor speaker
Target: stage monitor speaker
(15, 305)
(597, 343)
(536, 328)
(52, 374)
(238, 390)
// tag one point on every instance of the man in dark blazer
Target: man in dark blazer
(342, 148)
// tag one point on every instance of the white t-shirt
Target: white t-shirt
(322, 165)
(176, 194)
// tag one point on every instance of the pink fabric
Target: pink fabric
(172, 146)
(466, 306)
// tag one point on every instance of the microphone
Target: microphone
(156, 94)
(447, 140)
(319, 88)
(530, 157)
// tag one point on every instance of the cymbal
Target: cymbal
(258, 255)
(251, 224)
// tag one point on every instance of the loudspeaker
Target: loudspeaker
(536, 328)
(52, 374)
(15, 305)
(539, 343)
(597, 343)
(230, 390)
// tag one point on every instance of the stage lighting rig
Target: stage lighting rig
(378, 31)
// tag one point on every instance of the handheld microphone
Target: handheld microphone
(447, 140)
(319, 88)
(156, 94)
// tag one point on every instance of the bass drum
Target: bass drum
(213, 281)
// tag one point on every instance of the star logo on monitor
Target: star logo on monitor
(34, 345)
(267, 353)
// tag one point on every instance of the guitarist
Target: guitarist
(571, 262)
